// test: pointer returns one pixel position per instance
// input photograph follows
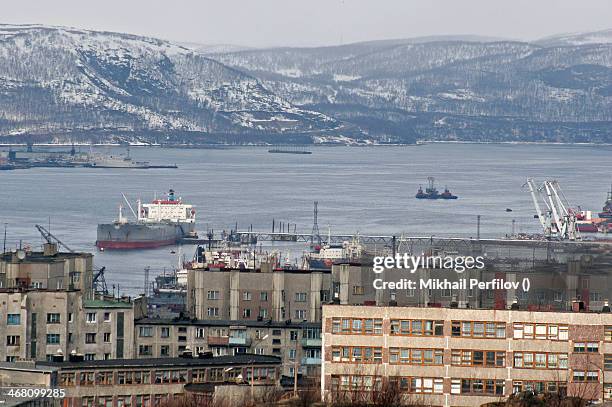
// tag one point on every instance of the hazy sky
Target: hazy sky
(315, 22)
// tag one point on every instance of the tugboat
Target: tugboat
(606, 212)
(447, 194)
(432, 193)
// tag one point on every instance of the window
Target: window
(213, 311)
(356, 354)
(165, 332)
(145, 350)
(300, 297)
(263, 296)
(300, 314)
(213, 295)
(417, 327)
(540, 360)
(87, 378)
(145, 331)
(608, 333)
(357, 326)
(541, 331)
(588, 347)
(246, 313)
(293, 335)
(90, 356)
(478, 386)
(246, 296)
(13, 319)
(13, 340)
(415, 356)
(53, 318)
(358, 290)
(417, 384)
(164, 350)
(107, 337)
(107, 317)
(476, 329)
(90, 337)
(608, 361)
(91, 317)
(292, 354)
(484, 358)
(53, 339)
(586, 376)
(70, 317)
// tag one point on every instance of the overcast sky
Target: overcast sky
(262, 23)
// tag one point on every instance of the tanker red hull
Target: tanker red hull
(114, 245)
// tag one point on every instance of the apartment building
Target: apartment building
(251, 295)
(48, 270)
(554, 286)
(465, 357)
(138, 382)
(38, 324)
(297, 344)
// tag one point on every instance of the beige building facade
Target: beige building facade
(465, 357)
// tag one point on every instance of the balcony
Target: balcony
(218, 340)
(311, 342)
(239, 341)
(311, 361)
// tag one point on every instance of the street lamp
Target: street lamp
(253, 367)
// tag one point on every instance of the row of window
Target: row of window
(468, 329)
(357, 354)
(471, 386)
(54, 339)
(203, 375)
(469, 358)
(55, 318)
(356, 326)
(248, 296)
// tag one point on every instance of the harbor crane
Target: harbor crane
(559, 219)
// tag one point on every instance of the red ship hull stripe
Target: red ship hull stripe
(109, 244)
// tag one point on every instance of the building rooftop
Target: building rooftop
(241, 359)
(106, 304)
(221, 322)
(39, 257)
(522, 309)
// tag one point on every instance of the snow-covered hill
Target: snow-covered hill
(64, 83)
(451, 88)
(56, 80)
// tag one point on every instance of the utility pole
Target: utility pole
(478, 227)
(4, 247)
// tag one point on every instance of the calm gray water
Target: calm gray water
(370, 190)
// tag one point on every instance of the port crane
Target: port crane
(558, 220)
(52, 239)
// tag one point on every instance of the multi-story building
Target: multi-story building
(465, 357)
(297, 344)
(48, 269)
(554, 286)
(40, 323)
(139, 382)
(251, 295)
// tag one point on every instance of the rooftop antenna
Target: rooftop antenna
(315, 234)
(4, 246)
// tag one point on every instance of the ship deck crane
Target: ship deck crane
(559, 220)
(52, 239)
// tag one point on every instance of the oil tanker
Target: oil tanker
(162, 222)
